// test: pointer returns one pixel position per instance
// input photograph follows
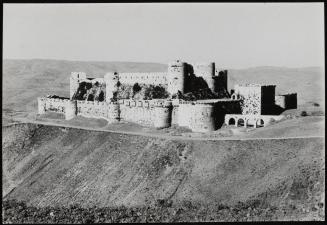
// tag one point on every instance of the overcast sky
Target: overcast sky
(232, 35)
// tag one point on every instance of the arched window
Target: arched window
(260, 123)
(231, 121)
(240, 122)
(250, 123)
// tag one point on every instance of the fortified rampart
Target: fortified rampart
(203, 115)
(100, 98)
(95, 109)
(149, 113)
(155, 113)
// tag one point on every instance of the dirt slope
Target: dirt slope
(55, 166)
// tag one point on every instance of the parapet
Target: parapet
(145, 103)
(254, 85)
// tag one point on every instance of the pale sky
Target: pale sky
(233, 35)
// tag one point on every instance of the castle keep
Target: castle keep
(161, 99)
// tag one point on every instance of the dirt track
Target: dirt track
(168, 137)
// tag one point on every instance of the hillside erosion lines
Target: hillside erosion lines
(62, 166)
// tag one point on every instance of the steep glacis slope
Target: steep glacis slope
(46, 165)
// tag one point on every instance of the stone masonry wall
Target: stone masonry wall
(146, 112)
(52, 105)
(251, 98)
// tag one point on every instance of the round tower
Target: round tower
(207, 72)
(163, 115)
(113, 112)
(183, 115)
(203, 118)
(111, 80)
(75, 79)
(70, 109)
(176, 77)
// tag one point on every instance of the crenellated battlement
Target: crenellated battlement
(146, 103)
(154, 78)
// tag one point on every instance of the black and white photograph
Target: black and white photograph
(168, 112)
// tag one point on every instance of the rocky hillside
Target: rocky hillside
(53, 166)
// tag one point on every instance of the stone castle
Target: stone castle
(245, 105)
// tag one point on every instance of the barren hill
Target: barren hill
(46, 165)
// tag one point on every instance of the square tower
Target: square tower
(256, 99)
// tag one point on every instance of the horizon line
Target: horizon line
(164, 63)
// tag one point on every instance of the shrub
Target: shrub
(316, 104)
(136, 88)
(304, 113)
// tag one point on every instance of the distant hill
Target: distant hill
(25, 80)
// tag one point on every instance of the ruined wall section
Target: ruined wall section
(221, 80)
(57, 105)
(207, 72)
(75, 79)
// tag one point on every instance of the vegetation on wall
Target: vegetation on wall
(142, 91)
(90, 92)
(205, 93)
